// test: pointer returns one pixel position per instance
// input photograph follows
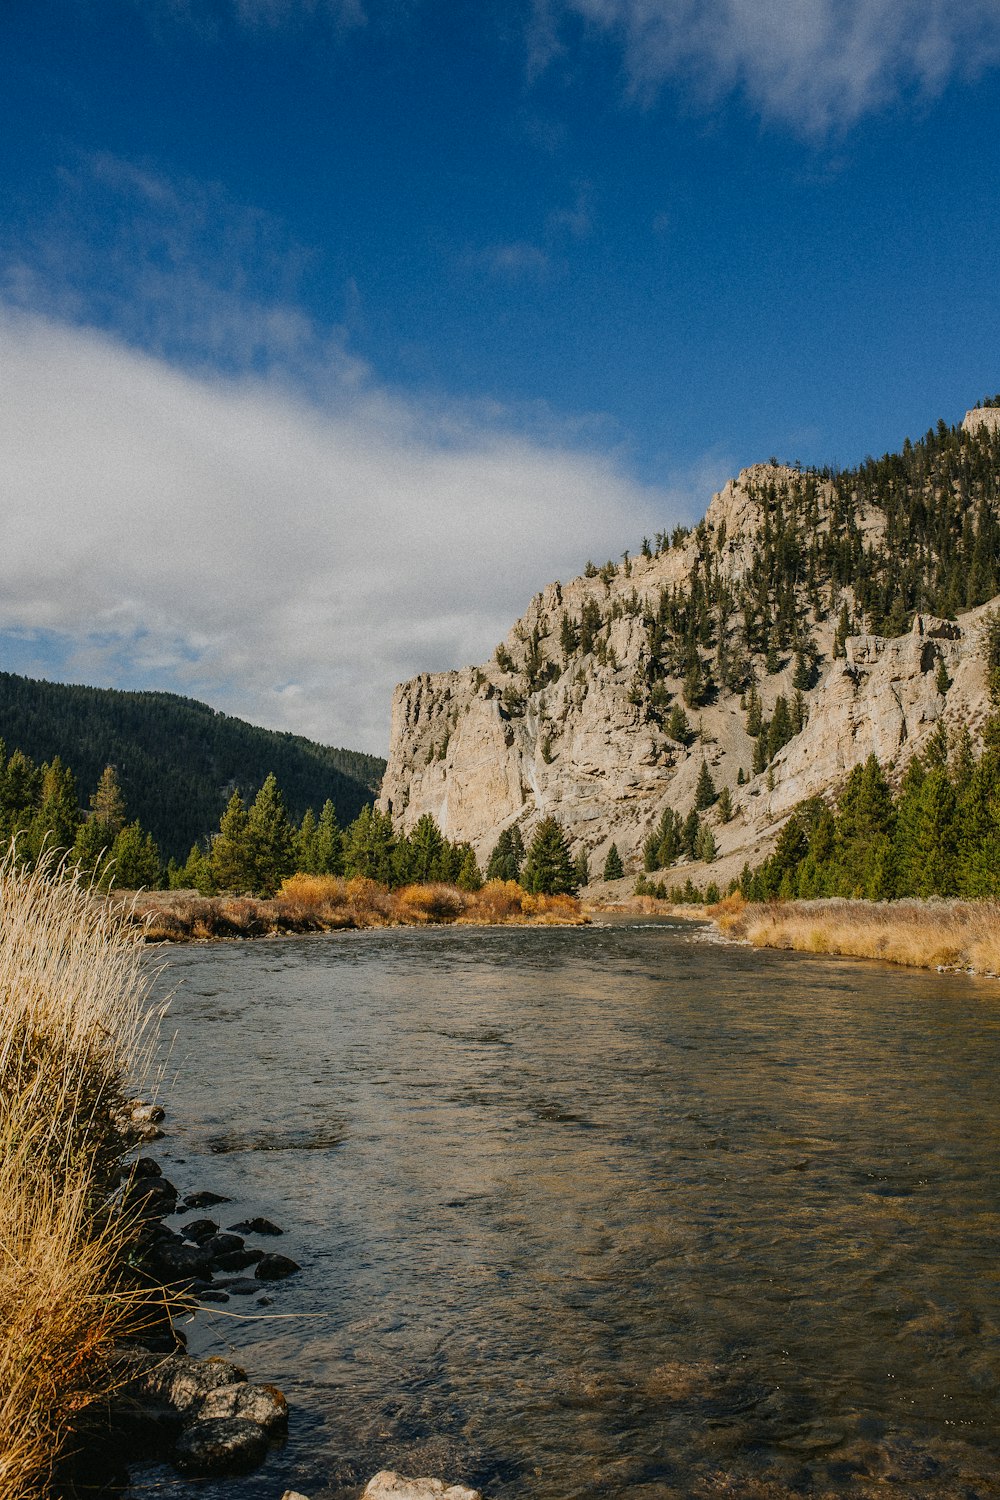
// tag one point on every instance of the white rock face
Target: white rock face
(480, 754)
(980, 417)
(387, 1485)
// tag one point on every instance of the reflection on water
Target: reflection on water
(607, 1211)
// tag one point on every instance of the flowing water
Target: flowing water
(613, 1211)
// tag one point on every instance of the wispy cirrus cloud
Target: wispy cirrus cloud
(816, 65)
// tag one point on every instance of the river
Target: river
(614, 1211)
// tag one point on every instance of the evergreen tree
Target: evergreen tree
(704, 793)
(581, 869)
(54, 825)
(724, 806)
(469, 875)
(270, 840)
(195, 874)
(329, 845)
(705, 847)
(689, 834)
(229, 861)
(368, 846)
(427, 847)
(935, 836)
(613, 867)
(135, 860)
(108, 804)
(548, 869)
(305, 844)
(507, 857)
(678, 725)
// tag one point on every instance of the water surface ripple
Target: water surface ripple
(601, 1212)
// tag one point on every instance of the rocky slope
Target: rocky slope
(563, 720)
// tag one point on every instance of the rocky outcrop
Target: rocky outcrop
(552, 727)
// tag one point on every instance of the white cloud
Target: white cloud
(516, 261)
(288, 562)
(818, 65)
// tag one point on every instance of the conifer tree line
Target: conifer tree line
(176, 759)
(257, 845)
(937, 835)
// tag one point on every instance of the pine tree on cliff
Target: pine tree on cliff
(704, 793)
(548, 869)
(613, 867)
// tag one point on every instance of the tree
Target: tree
(704, 793)
(108, 804)
(613, 867)
(581, 869)
(270, 839)
(678, 726)
(135, 860)
(305, 844)
(705, 847)
(724, 806)
(195, 874)
(229, 860)
(548, 869)
(55, 824)
(507, 857)
(329, 846)
(368, 846)
(469, 875)
(426, 847)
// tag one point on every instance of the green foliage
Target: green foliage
(548, 869)
(581, 869)
(135, 860)
(507, 857)
(704, 793)
(678, 726)
(939, 835)
(177, 759)
(469, 876)
(613, 867)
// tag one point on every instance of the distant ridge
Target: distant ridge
(178, 760)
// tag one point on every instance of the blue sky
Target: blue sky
(331, 330)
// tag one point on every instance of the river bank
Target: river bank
(952, 935)
(309, 903)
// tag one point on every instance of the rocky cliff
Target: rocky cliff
(571, 718)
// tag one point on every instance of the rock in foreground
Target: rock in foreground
(388, 1485)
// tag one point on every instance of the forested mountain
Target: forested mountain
(813, 617)
(178, 761)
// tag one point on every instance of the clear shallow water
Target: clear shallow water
(608, 1211)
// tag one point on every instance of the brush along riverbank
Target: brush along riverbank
(325, 903)
(76, 1033)
(959, 936)
(936, 934)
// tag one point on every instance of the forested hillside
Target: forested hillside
(178, 761)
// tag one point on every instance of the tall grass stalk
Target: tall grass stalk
(76, 1036)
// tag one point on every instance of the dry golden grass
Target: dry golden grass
(324, 903)
(919, 934)
(75, 1027)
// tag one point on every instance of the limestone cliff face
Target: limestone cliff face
(549, 727)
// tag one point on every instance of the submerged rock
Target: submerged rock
(388, 1485)
(256, 1226)
(221, 1445)
(203, 1199)
(276, 1268)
